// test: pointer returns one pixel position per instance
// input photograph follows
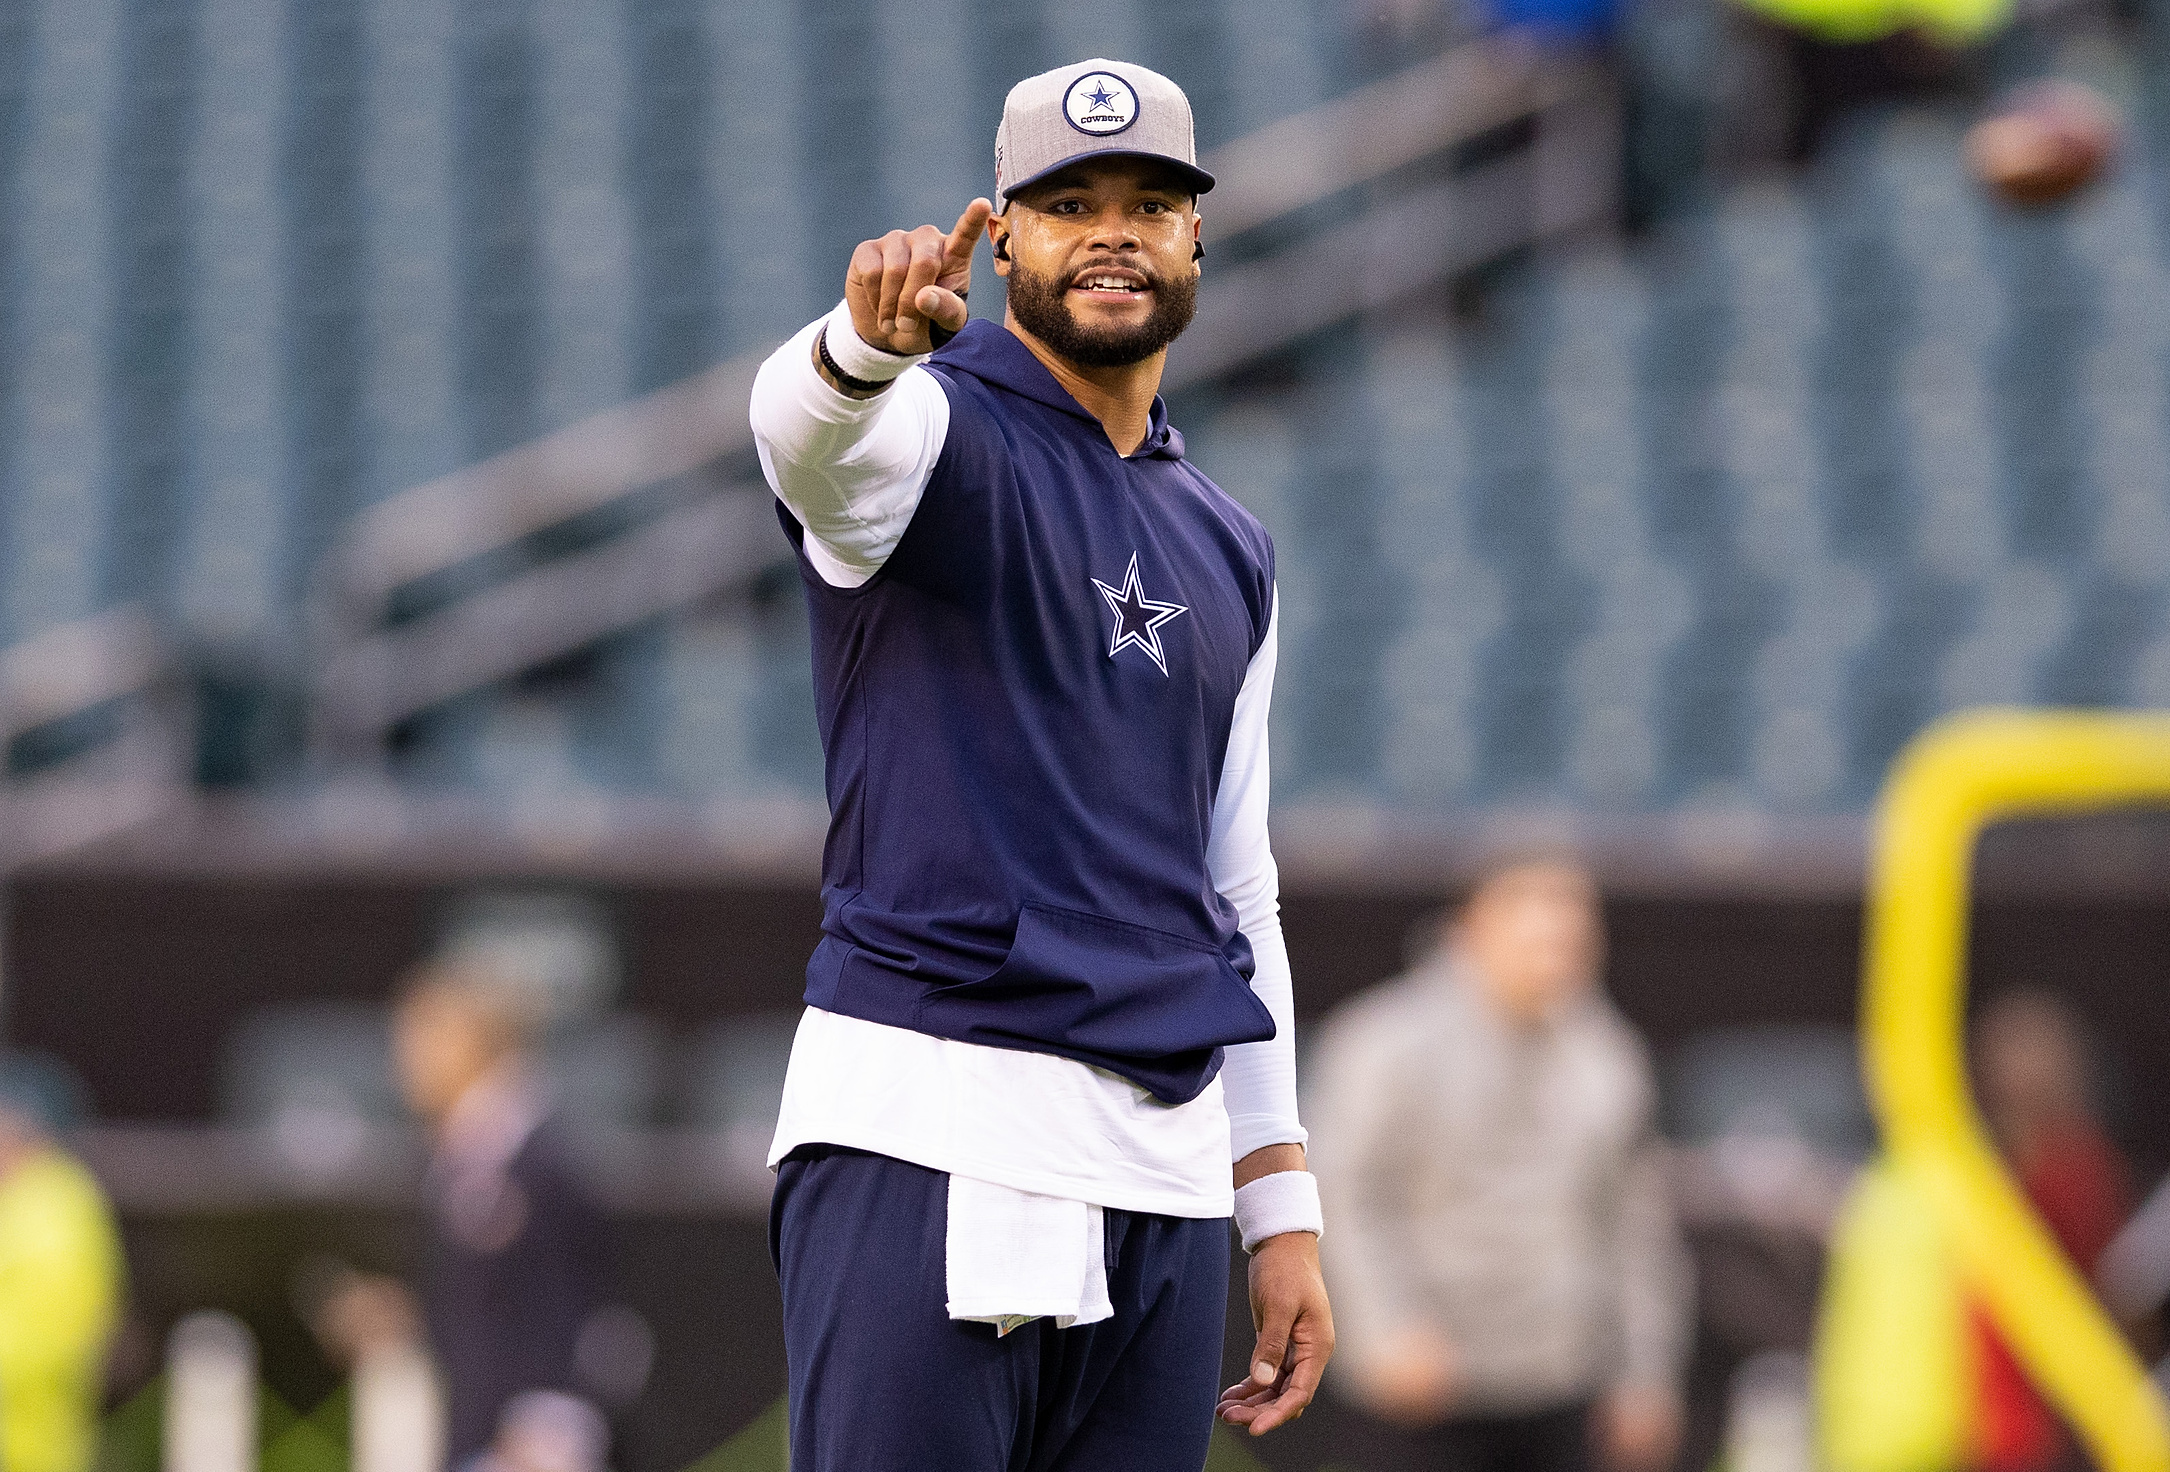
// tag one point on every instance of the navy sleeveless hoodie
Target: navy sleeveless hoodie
(1024, 716)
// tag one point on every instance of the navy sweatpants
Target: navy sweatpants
(883, 1380)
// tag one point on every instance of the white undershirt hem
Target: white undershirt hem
(1029, 1121)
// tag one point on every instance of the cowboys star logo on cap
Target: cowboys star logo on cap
(1100, 103)
(1095, 105)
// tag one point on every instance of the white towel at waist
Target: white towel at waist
(1014, 1256)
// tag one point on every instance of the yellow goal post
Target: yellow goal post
(1961, 774)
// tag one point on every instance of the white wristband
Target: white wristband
(1286, 1201)
(852, 353)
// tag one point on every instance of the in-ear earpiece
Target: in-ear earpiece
(1197, 250)
(1002, 248)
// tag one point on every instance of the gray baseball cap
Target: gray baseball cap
(1093, 107)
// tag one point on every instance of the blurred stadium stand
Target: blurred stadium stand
(386, 358)
(367, 350)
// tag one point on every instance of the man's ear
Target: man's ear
(998, 240)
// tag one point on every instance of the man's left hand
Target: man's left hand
(1295, 1335)
(1640, 1426)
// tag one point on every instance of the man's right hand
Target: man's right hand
(1412, 1379)
(900, 283)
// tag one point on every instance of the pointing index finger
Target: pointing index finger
(970, 226)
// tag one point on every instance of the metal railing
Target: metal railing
(112, 660)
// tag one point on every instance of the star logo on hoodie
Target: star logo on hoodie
(1137, 617)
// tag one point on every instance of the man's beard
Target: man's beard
(1042, 305)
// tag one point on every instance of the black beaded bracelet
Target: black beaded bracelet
(844, 380)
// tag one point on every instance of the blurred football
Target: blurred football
(2045, 144)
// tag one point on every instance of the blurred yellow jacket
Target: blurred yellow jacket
(1894, 1372)
(60, 1274)
(1952, 22)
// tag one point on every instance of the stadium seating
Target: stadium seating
(1667, 528)
(1651, 526)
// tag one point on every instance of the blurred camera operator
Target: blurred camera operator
(1510, 1279)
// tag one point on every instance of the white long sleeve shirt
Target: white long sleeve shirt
(852, 471)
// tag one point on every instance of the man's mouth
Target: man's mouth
(1112, 284)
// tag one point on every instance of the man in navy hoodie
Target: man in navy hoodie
(1049, 1046)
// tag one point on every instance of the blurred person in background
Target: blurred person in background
(2031, 1069)
(1511, 1281)
(515, 1257)
(1825, 58)
(60, 1291)
(1791, 70)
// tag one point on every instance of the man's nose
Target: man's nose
(1112, 230)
